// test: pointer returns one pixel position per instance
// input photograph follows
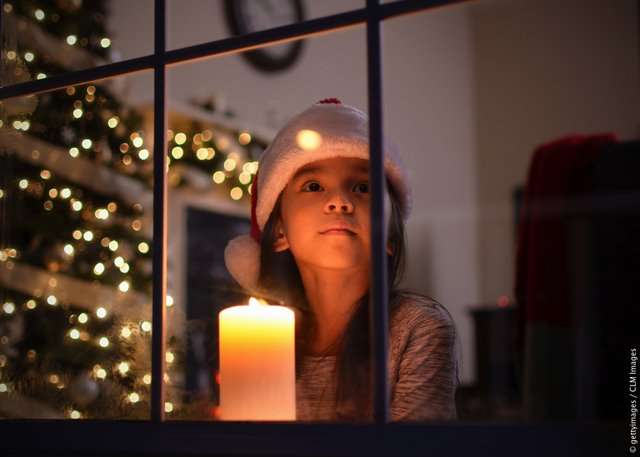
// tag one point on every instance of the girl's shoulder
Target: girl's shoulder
(410, 309)
(420, 327)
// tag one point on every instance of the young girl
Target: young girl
(309, 248)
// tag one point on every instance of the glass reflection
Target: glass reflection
(41, 39)
(219, 19)
(519, 124)
(75, 255)
(215, 247)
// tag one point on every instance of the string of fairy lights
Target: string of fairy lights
(62, 17)
(65, 227)
(80, 331)
(207, 151)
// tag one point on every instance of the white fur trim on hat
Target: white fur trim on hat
(242, 258)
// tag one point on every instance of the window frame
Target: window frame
(158, 436)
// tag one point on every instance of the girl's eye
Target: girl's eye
(312, 186)
(362, 187)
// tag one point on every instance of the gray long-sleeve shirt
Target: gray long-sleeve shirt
(422, 368)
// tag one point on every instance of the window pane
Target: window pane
(193, 22)
(516, 119)
(41, 39)
(222, 117)
(75, 253)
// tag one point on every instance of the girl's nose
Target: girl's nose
(337, 202)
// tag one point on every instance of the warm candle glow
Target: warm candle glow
(257, 362)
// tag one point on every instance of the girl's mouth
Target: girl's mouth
(338, 228)
(337, 232)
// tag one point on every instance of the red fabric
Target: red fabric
(331, 100)
(557, 173)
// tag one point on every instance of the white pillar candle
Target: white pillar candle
(257, 362)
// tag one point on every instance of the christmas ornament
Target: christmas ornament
(83, 389)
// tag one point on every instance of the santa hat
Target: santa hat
(325, 130)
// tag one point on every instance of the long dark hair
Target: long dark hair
(280, 280)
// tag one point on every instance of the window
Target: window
(130, 239)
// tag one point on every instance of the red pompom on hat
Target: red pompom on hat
(330, 100)
(341, 131)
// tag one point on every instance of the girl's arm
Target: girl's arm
(425, 389)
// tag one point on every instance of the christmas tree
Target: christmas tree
(75, 206)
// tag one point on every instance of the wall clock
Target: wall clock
(248, 16)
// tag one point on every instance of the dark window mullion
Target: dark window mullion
(379, 276)
(186, 54)
(159, 216)
(225, 46)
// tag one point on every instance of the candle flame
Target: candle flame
(257, 302)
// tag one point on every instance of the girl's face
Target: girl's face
(322, 196)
